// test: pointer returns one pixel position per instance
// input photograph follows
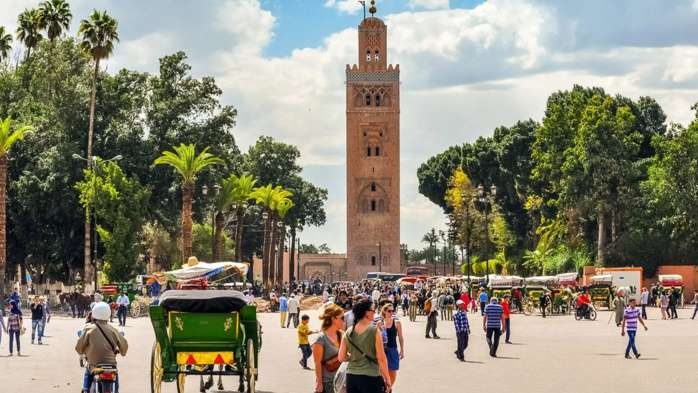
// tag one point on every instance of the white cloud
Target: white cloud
(138, 53)
(250, 25)
(429, 4)
(344, 6)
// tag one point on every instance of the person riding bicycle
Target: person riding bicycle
(583, 302)
(100, 343)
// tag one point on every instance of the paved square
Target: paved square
(552, 354)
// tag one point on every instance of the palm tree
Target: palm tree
(97, 37)
(244, 185)
(7, 139)
(5, 43)
(54, 17)
(282, 209)
(28, 29)
(432, 238)
(184, 160)
(269, 197)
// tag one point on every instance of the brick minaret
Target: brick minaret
(373, 156)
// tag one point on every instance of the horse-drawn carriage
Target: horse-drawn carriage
(204, 333)
(535, 287)
(600, 290)
(504, 285)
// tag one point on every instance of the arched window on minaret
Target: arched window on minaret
(373, 205)
(378, 151)
(368, 55)
(378, 100)
(376, 56)
(373, 260)
(368, 99)
(373, 186)
(368, 151)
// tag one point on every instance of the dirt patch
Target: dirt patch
(311, 303)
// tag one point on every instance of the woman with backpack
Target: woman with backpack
(362, 347)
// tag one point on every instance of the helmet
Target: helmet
(101, 311)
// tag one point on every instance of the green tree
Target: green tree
(269, 198)
(29, 30)
(431, 238)
(243, 186)
(5, 44)
(97, 37)
(54, 17)
(187, 164)
(120, 204)
(8, 138)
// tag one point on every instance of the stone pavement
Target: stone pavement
(552, 354)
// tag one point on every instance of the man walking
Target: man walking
(433, 316)
(506, 309)
(293, 310)
(492, 325)
(483, 301)
(695, 301)
(37, 309)
(283, 309)
(122, 302)
(644, 300)
(460, 319)
(630, 318)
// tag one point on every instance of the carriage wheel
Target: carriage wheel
(156, 369)
(135, 310)
(251, 371)
(181, 379)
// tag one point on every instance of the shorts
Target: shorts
(393, 358)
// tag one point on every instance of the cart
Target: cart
(204, 333)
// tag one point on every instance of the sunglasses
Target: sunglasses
(388, 311)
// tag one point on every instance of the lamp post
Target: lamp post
(92, 163)
(442, 235)
(485, 199)
(265, 217)
(380, 256)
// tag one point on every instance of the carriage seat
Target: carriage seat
(203, 301)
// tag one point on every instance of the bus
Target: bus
(384, 276)
(412, 271)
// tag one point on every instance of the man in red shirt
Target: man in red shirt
(583, 302)
(466, 300)
(507, 317)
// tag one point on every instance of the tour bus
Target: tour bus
(414, 271)
(384, 276)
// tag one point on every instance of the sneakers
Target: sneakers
(627, 356)
(427, 336)
(437, 337)
(637, 356)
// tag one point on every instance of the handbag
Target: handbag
(332, 364)
(340, 378)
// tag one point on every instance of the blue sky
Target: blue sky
(466, 68)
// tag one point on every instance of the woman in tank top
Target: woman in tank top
(362, 347)
(326, 348)
(392, 332)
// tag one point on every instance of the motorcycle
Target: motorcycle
(585, 313)
(104, 376)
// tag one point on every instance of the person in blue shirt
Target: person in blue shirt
(483, 300)
(492, 324)
(283, 309)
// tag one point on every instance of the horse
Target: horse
(77, 303)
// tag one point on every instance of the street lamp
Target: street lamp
(92, 163)
(485, 198)
(204, 192)
(380, 256)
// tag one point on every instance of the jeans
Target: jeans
(673, 313)
(292, 316)
(88, 378)
(121, 315)
(631, 343)
(695, 310)
(644, 311)
(507, 326)
(493, 335)
(482, 307)
(431, 323)
(306, 352)
(37, 324)
(14, 334)
(42, 327)
(462, 339)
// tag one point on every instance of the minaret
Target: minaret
(373, 155)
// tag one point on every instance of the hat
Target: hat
(192, 261)
(459, 302)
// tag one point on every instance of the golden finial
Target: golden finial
(372, 10)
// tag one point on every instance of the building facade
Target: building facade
(373, 155)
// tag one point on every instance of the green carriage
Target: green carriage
(204, 333)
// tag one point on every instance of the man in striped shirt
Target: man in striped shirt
(492, 324)
(631, 316)
(460, 319)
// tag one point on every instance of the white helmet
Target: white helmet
(101, 311)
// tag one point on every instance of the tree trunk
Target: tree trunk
(218, 237)
(280, 256)
(292, 258)
(3, 223)
(601, 243)
(238, 234)
(271, 254)
(187, 195)
(614, 225)
(90, 131)
(265, 252)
